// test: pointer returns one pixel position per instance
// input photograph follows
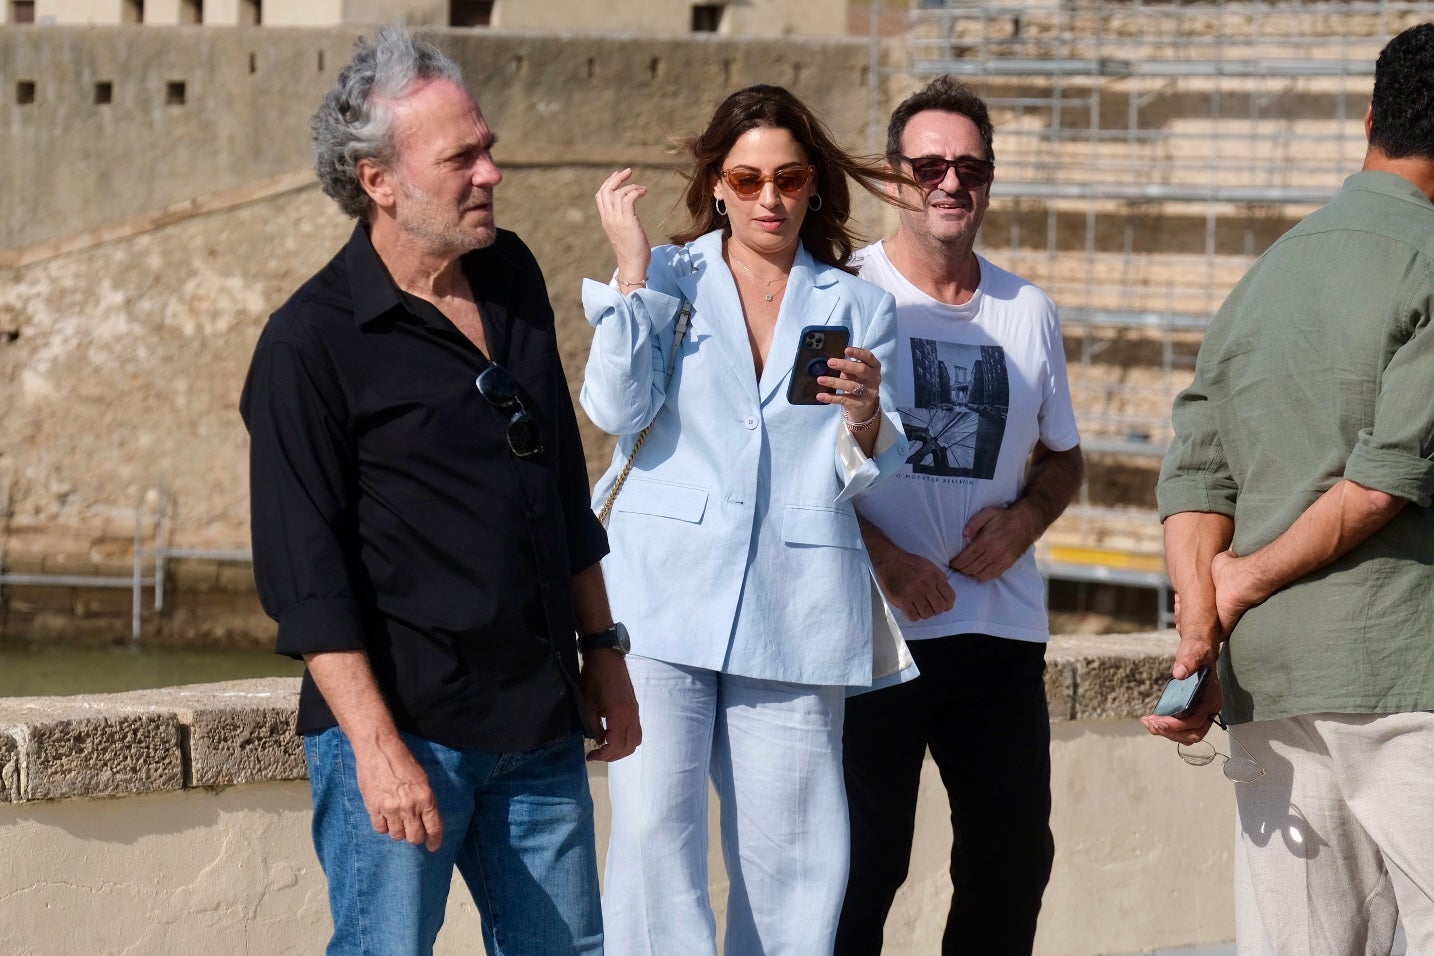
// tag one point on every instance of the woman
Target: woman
(737, 562)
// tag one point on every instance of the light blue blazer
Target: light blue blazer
(734, 544)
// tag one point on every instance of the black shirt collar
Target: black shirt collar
(490, 271)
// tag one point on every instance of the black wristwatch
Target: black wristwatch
(614, 638)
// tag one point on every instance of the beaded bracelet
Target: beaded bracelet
(862, 426)
(640, 283)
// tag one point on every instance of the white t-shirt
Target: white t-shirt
(977, 386)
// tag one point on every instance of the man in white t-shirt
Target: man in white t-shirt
(983, 395)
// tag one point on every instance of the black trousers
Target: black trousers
(980, 705)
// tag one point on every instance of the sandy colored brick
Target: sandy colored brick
(1115, 675)
(9, 768)
(73, 753)
(1060, 689)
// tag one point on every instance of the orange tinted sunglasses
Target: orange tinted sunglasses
(747, 182)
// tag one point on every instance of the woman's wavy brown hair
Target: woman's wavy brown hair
(824, 231)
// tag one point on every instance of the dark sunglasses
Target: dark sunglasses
(929, 171)
(498, 387)
(747, 183)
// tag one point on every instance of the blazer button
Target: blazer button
(750, 421)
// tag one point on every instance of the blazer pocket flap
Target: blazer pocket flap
(820, 526)
(665, 499)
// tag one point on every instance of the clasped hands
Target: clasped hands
(1202, 630)
(995, 538)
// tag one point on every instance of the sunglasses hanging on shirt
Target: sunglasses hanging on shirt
(499, 390)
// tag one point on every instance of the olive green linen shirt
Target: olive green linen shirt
(1320, 366)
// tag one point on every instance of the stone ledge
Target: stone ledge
(200, 735)
(216, 735)
(9, 769)
(1107, 676)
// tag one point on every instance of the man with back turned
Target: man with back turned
(1298, 533)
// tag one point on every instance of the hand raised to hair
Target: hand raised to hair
(617, 205)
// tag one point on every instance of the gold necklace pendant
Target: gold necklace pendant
(766, 283)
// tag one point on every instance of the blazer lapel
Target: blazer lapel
(717, 310)
(808, 301)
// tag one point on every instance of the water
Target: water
(43, 670)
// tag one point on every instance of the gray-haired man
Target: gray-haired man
(423, 537)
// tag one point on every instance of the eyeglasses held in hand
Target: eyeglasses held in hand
(747, 182)
(1238, 769)
(929, 171)
(498, 387)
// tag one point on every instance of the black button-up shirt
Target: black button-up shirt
(390, 516)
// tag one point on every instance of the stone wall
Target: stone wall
(72, 164)
(203, 841)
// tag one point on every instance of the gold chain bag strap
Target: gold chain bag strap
(683, 319)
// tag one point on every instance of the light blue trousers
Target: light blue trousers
(773, 753)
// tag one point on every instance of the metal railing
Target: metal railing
(149, 566)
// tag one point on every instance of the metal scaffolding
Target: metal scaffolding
(1147, 152)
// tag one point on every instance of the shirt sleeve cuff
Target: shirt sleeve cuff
(863, 473)
(658, 309)
(587, 543)
(1194, 493)
(1392, 471)
(318, 626)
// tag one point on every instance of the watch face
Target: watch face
(619, 631)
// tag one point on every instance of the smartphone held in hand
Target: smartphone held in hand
(1180, 696)
(816, 344)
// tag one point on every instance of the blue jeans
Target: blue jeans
(519, 827)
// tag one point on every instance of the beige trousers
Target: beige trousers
(1334, 845)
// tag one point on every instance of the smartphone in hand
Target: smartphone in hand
(1180, 696)
(816, 344)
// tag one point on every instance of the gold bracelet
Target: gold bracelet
(640, 283)
(862, 426)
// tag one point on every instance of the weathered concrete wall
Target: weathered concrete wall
(763, 17)
(770, 18)
(187, 862)
(70, 164)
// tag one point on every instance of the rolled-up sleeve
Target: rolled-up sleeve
(1195, 475)
(300, 477)
(624, 382)
(1395, 455)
